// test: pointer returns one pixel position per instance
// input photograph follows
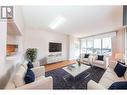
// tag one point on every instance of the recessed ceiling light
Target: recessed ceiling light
(57, 22)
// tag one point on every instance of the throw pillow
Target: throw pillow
(29, 77)
(100, 57)
(120, 69)
(121, 62)
(30, 65)
(119, 85)
(86, 56)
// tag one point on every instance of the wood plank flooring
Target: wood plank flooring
(53, 66)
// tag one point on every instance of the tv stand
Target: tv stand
(53, 58)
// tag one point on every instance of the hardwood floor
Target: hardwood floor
(53, 66)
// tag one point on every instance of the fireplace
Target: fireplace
(11, 49)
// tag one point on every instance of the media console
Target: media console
(56, 57)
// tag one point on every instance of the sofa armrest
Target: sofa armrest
(94, 58)
(106, 61)
(42, 83)
(93, 85)
(112, 64)
(39, 71)
(36, 64)
(90, 59)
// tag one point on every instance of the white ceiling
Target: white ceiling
(80, 20)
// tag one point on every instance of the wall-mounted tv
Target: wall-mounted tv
(125, 15)
(55, 47)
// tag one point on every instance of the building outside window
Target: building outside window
(106, 47)
(97, 46)
(89, 46)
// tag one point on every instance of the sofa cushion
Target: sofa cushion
(19, 76)
(99, 62)
(86, 56)
(125, 75)
(10, 85)
(119, 85)
(105, 82)
(36, 64)
(29, 77)
(111, 75)
(100, 57)
(30, 65)
(25, 65)
(38, 78)
(121, 62)
(85, 59)
(120, 69)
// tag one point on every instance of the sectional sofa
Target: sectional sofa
(107, 79)
(41, 82)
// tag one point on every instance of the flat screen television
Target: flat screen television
(55, 47)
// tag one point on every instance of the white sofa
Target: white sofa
(41, 82)
(86, 60)
(107, 79)
(102, 64)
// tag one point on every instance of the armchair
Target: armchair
(86, 60)
(102, 64)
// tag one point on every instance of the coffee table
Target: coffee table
(75, 71)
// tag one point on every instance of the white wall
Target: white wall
(40, 39)
(19, 21)
(15, 30)
(3, 32)
(4, 67)
(18, 18)
(118, 43)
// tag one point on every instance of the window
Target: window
(89, 46)
(97, 46)
(107, 43)
(83, 46)
(106, 47)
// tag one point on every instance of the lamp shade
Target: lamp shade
(119, 56)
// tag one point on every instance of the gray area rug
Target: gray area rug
(59, 81)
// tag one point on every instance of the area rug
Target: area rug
(59, 82)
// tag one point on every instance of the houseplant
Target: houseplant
(31, 54)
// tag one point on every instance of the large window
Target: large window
(106, 47)
(83, 46)
(97, 46)
(89, 46)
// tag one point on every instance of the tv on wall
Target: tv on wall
(55, 47)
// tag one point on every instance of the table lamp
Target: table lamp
(119, 57)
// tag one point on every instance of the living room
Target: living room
(61, 37)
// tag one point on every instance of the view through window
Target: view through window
(97, 46)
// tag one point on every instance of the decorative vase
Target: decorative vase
(79, 64)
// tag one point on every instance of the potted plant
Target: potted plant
(31, 54)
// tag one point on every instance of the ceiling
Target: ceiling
(79, 21)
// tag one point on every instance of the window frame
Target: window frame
(92, 49)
